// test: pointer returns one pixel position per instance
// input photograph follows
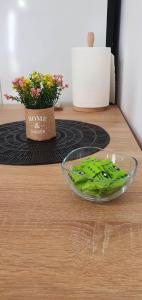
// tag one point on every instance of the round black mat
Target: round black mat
(15, 149)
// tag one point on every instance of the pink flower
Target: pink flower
(58, 79)
(59, 82)
(57, 76)
(15, 81)
(8, 97)
(21, 83)
(35, 92)
(18, 83)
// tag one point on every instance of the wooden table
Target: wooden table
(55, 246)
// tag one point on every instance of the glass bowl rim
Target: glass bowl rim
(121, 154)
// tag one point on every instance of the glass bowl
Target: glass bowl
(98, 175)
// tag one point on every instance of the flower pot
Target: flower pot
(40, 124)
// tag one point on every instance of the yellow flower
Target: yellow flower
(26, 84)
(49, 83)
(35, 76)
(48, 80)
(27, 81)
(46, 77)
(14, 87)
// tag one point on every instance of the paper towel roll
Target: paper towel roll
(91, 76)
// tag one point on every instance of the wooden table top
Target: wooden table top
(55, 246)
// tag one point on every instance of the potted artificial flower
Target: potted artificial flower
(39, 93)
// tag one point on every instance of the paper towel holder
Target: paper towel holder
(90, 44)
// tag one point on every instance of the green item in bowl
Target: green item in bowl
(95, 177)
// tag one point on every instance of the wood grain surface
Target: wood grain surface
(53, 245)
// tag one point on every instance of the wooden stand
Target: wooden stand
(85, 109)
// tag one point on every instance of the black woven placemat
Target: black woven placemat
(16, 149)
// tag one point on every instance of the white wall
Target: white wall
(39, 35)
(130, 64)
